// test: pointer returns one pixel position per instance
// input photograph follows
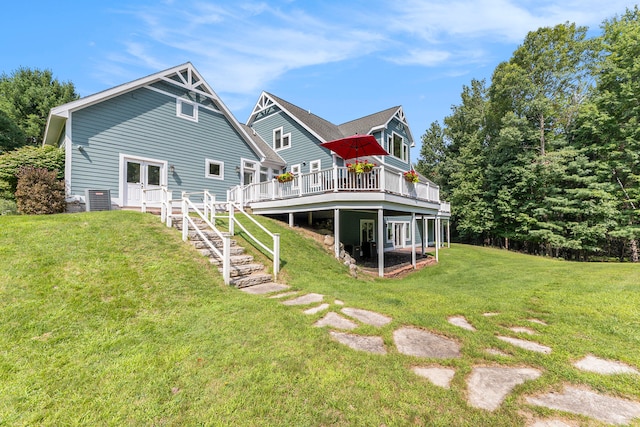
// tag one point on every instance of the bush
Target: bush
(39, 191)
(47, 157)
(8, 207)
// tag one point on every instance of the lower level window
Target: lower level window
(214, 169)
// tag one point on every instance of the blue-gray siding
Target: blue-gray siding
(143, 123)
(304, 148)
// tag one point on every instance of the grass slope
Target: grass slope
(110, 319)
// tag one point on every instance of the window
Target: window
(264, 174)
(314, 166)
(214, 169)
(295, 169)
(397, 147)
(186, 110)
(281, 140)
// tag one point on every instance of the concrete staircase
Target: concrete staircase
(244, 271)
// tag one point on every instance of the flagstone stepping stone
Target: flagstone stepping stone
(523, 330)
(550, 423)
(338, 302)
(527, 345)
(489, 386)
(264, 288)
(367, 317)
(612, 410)
(285, 294)
(490, 314)
(601, 366)
(438, 376)
(370, 344)
(318, 309)
(496, 352)
(538, 321)
(304, 299)
(461, 322)
(336, 321)
(420, 343)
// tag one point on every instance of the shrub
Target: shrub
(39, 191)
(8, 207)
(47, 157)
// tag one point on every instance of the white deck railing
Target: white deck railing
(337, 179)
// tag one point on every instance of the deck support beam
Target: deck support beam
(380, 244)
(336, 232)
(438, 233)
(413, 239)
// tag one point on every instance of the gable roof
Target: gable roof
(323, 129)
(184, 75)
(269, 155)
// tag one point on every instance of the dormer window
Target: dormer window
(186, 109)
(281, 140)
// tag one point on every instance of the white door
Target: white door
(142, 174)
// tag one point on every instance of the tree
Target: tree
(546, 80)
(610, 125)
(27, 95)
(11, 136)
(432, 153)
(46, 157)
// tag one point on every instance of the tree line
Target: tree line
(546, 157)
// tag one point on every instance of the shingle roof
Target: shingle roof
(323, 128)
(269, 154)
(364, 124)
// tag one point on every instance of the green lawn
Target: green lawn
(110, 319)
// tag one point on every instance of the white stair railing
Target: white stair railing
(274, 251)
(187, 221)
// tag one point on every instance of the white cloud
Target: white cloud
(240, 48)
(424, 57)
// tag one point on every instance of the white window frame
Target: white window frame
(283, 137)
(209, 162)
(404, 147)
(248, 165)
(315, 166)
(296, 170)
(179, 113)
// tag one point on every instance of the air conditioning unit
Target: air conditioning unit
(98, 200)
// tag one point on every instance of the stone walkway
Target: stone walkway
(487, 386)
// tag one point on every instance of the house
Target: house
(167, 129)
(370, 213)
(170, 130)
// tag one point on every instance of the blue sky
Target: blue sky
(340, 59)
